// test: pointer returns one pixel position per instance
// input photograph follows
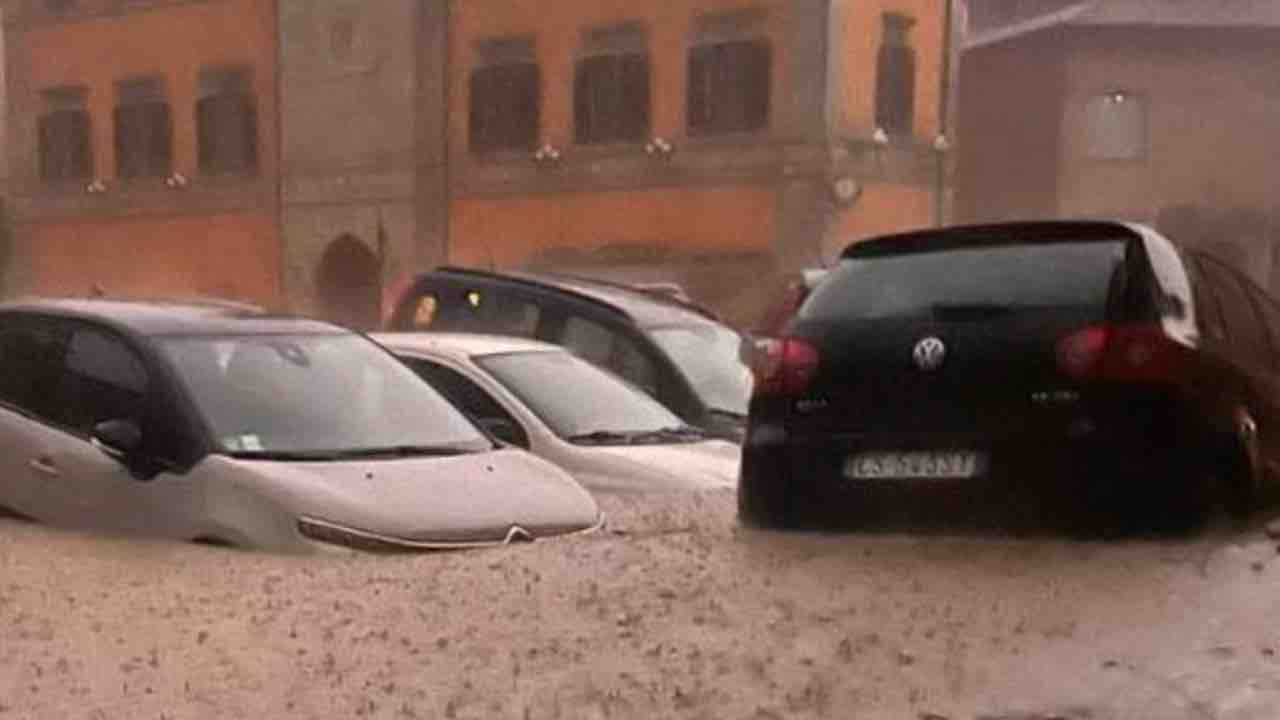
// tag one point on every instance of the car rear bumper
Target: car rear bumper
(1047, 465)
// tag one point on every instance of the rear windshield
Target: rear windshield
(970, 282)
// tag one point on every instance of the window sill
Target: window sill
(737, 137)
(502, 157)
(225, 178)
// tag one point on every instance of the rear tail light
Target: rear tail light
(784, 367)
(1122, 353)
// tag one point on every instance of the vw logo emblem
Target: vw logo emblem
(929, 354)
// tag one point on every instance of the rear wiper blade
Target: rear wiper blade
(968, 311)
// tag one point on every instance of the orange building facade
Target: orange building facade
(311, 154)
(703, 126)
(143, 147)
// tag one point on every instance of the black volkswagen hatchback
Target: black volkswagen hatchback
(1080, 361)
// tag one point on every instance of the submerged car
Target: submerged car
(687, 361)
(1092, 358)
(608, 434)
(232, 427)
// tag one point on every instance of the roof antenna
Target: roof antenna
(96, 291)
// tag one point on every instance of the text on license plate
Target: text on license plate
(876, 465)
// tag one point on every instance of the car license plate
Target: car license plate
(927, 465)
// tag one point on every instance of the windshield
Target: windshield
(708, 355)
(313, 394)
(969, 282)
(575, 398)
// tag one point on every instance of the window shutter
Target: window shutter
(531, 111)
(481, 111)
(205, 124)
(699, 105)
(80, 145)
(47, 131)
(895, 88)
(249, 123)
(758, 64)
(635, 99)
(126, 165)
(585, 130)
(159, 138)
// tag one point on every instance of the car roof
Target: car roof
(646, 309)
(461, 345)
(1048, 231)
(158, 317)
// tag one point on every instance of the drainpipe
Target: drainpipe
(283, 301)
(944, 116)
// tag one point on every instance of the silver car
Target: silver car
(233, 427)
(608, 433)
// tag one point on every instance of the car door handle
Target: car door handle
(44, 466)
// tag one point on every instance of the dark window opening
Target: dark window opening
(896, 76)
(144, 129)
(65, 137)
(506, 97)
(730, 86)
(227, 122)
(611, 88)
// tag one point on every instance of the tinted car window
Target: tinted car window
(708, 357)
(30, 355)
(574, 397)
(461, 391)
(606, 348)
(103, 379)
(1075, 275)
(1244, 325)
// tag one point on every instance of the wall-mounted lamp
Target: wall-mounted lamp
(1117, 97)
(95, 187)
(546, 154)
(659, 147)
(177, 181)
(880, 137)
(941, 144)
(846, 191)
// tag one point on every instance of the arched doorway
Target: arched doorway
(349, 284)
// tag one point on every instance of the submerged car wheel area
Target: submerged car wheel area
(235, 428)
(1092, 365)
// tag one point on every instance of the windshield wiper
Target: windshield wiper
(677, 432)
(731, 414)
(403, 451)
(604, 437)
(284, 455)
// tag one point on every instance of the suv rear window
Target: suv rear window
(970, 281)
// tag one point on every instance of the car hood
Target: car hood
(464, 499)
(707, 465)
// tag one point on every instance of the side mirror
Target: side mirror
(120, 439)
(503, 430)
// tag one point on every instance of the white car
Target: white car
(232, 427)
(607, 433)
